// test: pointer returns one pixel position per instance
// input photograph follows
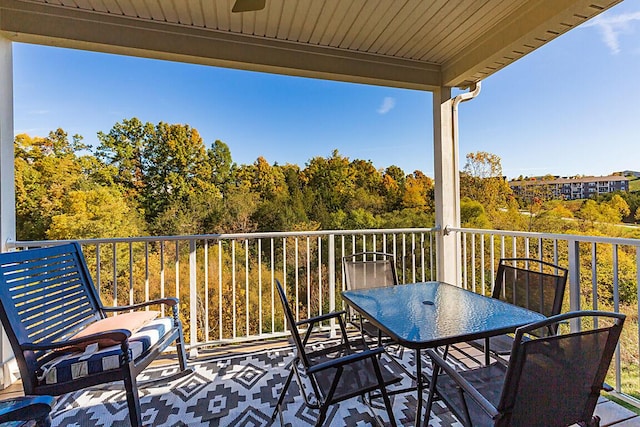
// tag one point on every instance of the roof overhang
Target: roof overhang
(405, 48)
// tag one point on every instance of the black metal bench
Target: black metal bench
(46, 297)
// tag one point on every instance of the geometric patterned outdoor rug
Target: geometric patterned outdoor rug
(236, 390)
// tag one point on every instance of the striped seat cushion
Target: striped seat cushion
(81, 364)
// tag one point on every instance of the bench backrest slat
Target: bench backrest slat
(46, 294)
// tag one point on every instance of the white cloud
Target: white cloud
(611, 26)
(387, 105)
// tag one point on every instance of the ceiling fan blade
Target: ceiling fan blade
(248, 5)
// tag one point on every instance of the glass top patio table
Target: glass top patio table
(432, 314)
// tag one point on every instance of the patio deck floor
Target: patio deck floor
(250, 409)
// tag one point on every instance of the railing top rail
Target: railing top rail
(262, 235)
(567, 237)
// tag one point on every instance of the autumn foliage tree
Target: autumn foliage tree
(164, 179)
(482, 180)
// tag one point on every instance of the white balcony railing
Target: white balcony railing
(226, 282)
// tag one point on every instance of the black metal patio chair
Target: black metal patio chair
(366, 270)
(335, 373)
(549, 380)
(529, 283)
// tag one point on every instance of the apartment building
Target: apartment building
(569, 188)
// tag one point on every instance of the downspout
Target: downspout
(463, 97)
(473, 92)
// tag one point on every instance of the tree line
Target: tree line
(162, 179)
(146, 179)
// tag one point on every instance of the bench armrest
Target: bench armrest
(171, 302)
(120, 335)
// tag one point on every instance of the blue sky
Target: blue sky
(572, 107)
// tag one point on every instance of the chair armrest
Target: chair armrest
(321, 318)
(345, 360)
(464, 385)
(120, 335)
(166, 301)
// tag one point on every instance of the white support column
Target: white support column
(7, 185)
(8, 373)
(447, 187)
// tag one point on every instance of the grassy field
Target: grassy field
(634, 184)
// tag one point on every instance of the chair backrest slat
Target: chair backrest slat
(57, 325)
(57, 292)
(16, 274)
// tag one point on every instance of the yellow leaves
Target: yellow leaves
(620, 205)
(417, 188)
(99, 212)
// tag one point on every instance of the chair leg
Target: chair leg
(323, 414)
(133, 401)
(282, 395)
(328, 399)
(432, 392)
(385, 395)
(182, 356)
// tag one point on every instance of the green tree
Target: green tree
(407, 218)
(590, 212)
(267, 180)
(359, 219)
(472, 214)
(554, 218)
(368, 191)
(296, 201)
(239, 207)
(482, 180)
(177, 172)
(511, 218)
(222, 165)
(123, 148)
(632, 199)
(46, 170)
(168, 171)
(332, 183)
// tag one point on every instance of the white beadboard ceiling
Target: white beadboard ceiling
(418, 44)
